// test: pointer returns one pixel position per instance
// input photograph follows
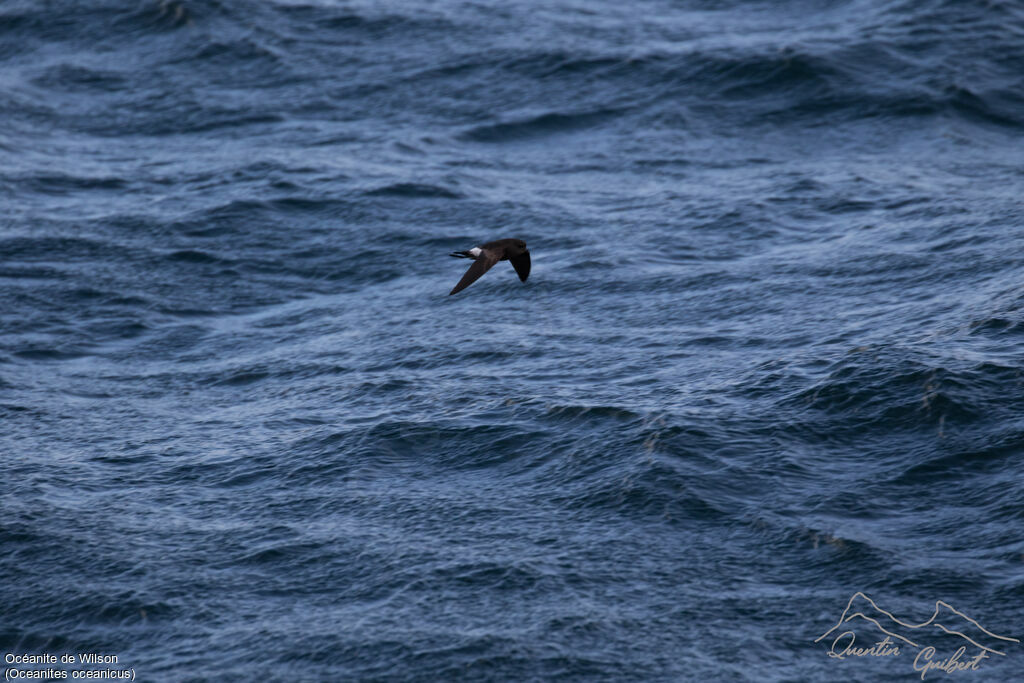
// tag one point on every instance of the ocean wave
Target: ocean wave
(968, 457)
(414, 191)
(888, 389)
(48, 249)
(82, 79)
(573, 413)
(643, 487)
(998, 326)
(47, 354)
(194, 256)
(537, 126)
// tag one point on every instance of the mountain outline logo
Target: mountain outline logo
(945, 619)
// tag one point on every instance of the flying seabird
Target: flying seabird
(487, 255)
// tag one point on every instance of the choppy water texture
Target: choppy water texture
(770, 353)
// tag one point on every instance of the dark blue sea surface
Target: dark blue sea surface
(771, 353)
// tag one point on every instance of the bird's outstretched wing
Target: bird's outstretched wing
(481, 265)
(522, 265)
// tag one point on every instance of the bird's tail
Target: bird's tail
(462, 254)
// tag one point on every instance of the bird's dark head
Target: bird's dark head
(519, 243)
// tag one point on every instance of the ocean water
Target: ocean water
(769, 357)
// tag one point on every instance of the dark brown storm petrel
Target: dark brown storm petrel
(486, 255)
